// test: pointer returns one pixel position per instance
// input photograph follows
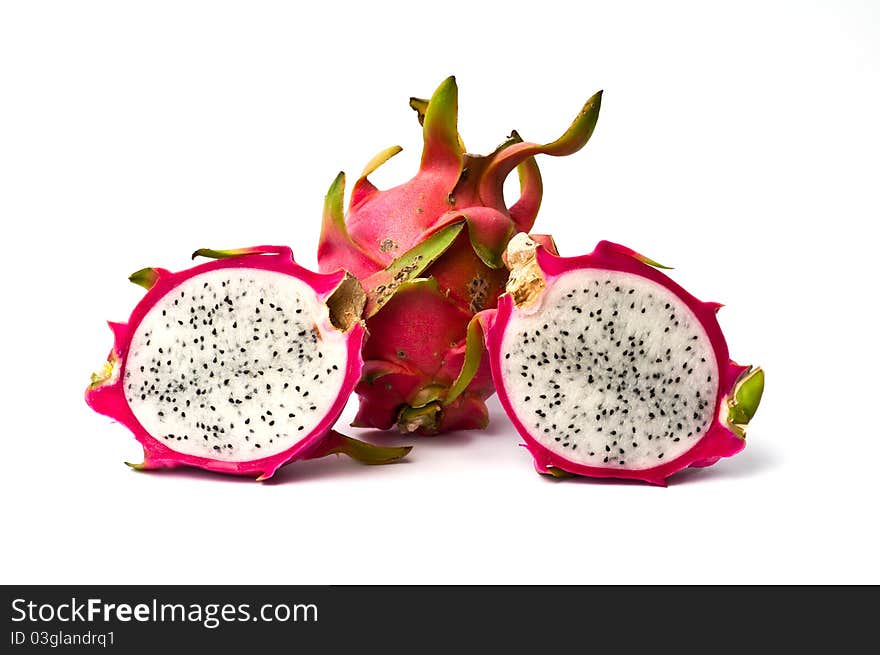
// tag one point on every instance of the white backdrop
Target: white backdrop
(738, 142)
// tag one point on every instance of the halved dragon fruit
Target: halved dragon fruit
(608, 368)
(239, 365)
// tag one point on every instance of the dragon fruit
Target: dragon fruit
(238, 365)
(429, 253)
(608, 368)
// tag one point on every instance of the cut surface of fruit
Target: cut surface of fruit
(608, 368)
(611, 369)
(239, 365)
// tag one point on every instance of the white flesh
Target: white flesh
(235, 364)
(627, 373)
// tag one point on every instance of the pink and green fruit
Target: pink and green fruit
(238, 365)
(608, 368)
(451, 224)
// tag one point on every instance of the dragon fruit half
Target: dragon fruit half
(239, 365)
(608, 368)
(429, 253)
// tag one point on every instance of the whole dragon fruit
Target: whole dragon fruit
(239, 365)
(608, 368)
(429, 254)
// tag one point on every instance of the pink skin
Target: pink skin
(408, 214)
(427, 354)
(376, 216)
(446, 189)
(451, 187)
(718, 441)
(109, 398)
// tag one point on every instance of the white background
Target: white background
(738, 142)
